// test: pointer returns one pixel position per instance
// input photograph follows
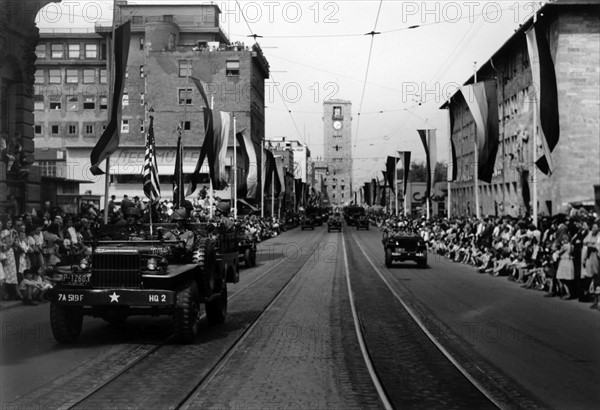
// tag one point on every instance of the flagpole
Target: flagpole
(533, 168)
(450, 162)
(111, 87)
(476, 156)
(262, 178)
(273, 193)
(429, 176)
(210, 189)
(234, 170)
(396, 185)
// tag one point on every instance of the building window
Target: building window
(186, 125)
(103, 78)
(72, 129)
(103, 102)
(72, 103)
(74, 51)
(343, 187)
(142, 126)
(125, 126)
(40, 51)
(38, 102)
(126, 72)
(39, 76)
(141, 71)
(89, 102)
(89, 76)
(54, 129)
(37, 129)
(55, 102)
(232, 68)
(57, 51)
(91, 51)
(89, 129)
(185, 98)
(141, 38)
(72, 77)
(54, 76)
(142, 96)
(185, 68)
(337, 112)
(125, 102)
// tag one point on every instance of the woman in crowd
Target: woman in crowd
(9, 264)
(589, 257)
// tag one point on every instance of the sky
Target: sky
(318, 50)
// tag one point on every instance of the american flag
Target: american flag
(151, 183)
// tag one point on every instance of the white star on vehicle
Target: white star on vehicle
(114, 297)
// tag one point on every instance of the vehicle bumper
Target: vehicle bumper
(405, 256)
(113, 297)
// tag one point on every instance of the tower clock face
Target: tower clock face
(337, 125)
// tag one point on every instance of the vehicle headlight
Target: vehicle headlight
(152, 264)
(84, 264)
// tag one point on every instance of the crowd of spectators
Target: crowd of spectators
(559, 257)
(32, 244)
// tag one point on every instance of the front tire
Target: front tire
(216, 310)
(66, 323)
(388, 258)
(185, 318)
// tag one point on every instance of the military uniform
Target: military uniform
(181, 232)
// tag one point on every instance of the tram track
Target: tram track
(413, 329)
(212, 355)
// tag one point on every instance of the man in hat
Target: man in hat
(223, 209)
(181, 232)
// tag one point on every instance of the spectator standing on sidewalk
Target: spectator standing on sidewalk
(590, 260)
(566, 271)
(9, 264)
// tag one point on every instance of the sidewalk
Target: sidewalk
(10, 304)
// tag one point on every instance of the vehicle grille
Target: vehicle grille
(116, 270)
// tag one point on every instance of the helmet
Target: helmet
(179, 214)
(132, 211)
(224, 207)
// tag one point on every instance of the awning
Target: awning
(253, 208)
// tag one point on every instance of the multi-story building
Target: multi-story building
(337, 139)
(169, 44)
(573, 31)
(70, 106)
(301, 155)
(18, 39)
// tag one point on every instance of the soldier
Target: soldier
(132, 228)
(181, 231)
(223, 210)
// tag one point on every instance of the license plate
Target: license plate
(70, 297)
(80, 279)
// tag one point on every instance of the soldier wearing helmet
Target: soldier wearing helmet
(181, 232)
(132, 228)
(223, 209)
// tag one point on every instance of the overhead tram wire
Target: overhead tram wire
(255, 36)
(372, 34)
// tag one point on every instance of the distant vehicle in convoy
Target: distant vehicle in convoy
(316, 214)
(334, 223)
(147, 274)
(246, 250)
(351, 214)
(308, 223)
(405, 246)
(362, 222)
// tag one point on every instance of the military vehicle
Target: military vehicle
(146, 274)
(334, 223)
(308, 223)
(362, 222)
(403, 246)
(351, 214)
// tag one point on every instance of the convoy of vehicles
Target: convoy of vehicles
(334, 223)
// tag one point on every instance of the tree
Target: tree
(418, 172)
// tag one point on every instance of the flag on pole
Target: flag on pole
(383, 201)
(368, 193)
(178, 196)
(268, 170)
(109, 141)
(151, 181)
(405, 158)
(250, 161)
(222, 134)
(482, 100)
(546, 103)
(429, 143)
(453, 171)
(280, 185)
(390, 168)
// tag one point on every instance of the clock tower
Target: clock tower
(337, 139)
